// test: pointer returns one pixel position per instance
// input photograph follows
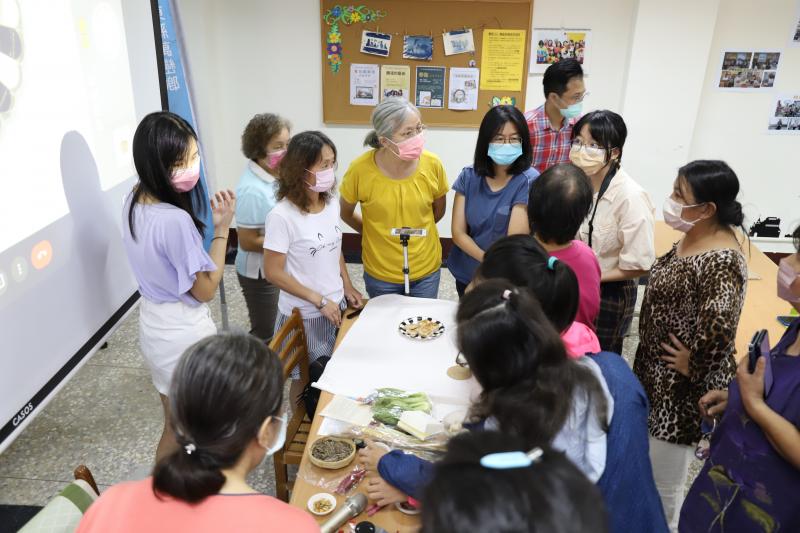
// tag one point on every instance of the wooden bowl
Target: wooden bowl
(332, 465)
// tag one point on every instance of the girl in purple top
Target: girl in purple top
(751, 478)
(164, 243)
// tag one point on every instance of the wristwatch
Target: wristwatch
(322, 303)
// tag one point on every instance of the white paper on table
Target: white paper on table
(463, 89)
(364, 84)
(330, 426)
(374, 354)
(347, 410)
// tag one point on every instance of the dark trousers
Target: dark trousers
(617, 302)
(261, 298)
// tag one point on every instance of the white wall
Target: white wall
(255, 56)
(733, 125)
(670, 48)
(652, 61)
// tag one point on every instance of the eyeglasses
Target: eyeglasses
(413, 132)
(591, 148)
(499, 139)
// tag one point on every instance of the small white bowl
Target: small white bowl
(406, 509)
(321, 496)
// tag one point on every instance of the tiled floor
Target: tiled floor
(109, 417)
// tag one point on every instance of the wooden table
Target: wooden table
(761, 305)
(389, 518)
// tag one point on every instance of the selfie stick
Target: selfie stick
(405, 234)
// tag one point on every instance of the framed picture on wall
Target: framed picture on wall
(795, 36)
(747, 70)
(551, 45)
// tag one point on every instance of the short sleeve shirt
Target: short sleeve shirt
(550, 146)
(255, 198)
(167, 253)
(487, 214)
(624, 226)
(395, 203)
(312, 243)
(133, 507)
(583, 262)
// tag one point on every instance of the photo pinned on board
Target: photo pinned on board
(458, 42)
(419, 47)
(374, 43)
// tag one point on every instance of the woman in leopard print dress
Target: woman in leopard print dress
(689, 317)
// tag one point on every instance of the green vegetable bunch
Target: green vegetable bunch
(390, 404)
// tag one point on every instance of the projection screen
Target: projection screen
(76, 76)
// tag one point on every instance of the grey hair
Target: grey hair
(387, 117)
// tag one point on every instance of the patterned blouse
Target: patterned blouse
(698, 299)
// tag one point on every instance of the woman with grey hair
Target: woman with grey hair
(398, 184)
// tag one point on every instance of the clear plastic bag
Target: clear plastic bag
(389, 404)
(430, 449)
(339, 482)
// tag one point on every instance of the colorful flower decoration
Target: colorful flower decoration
(346, 15)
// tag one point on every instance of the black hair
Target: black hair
(522, 261)
(493, 122)
(160, 144)
(796, 238)
(223, 389)
(558, 202)
(516, 355)
(715, 182)
(551, 495)
(606, 128)
(557, 76)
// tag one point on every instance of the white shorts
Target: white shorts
(166, 330)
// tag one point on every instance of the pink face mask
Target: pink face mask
(185, 179)
(410, 149)
(324, 180)
(787, 277)
(274, 158)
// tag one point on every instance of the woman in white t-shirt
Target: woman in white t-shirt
(303, 245)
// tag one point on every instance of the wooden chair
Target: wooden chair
(290, 345)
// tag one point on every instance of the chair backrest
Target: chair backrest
(290, 345)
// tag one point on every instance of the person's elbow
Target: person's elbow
(203, 290)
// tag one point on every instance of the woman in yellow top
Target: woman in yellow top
(398, 184)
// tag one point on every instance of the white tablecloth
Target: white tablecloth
(374, 354)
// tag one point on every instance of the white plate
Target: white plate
(406, 510)
(403, 328)
(321, 496)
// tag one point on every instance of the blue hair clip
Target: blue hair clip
(551, 262)
(509, 460)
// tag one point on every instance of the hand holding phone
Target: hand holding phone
(759, 346)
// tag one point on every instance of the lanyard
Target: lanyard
(603, 188)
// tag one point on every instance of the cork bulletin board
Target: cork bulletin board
(400, 18)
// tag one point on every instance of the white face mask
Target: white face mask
(672, 215)
(280, 440)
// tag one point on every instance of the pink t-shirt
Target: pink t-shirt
(583, 262)
(132, 507)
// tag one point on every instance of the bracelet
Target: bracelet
(215, 238)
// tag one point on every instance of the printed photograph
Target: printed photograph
(736, 60)
(458, 42)
(785, 115)
(766, 60)
(365, 92)
(748, 79)
(769, 79)
(419, 47)
(726, 78)
(377, 44)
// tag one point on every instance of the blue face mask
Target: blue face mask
(572, 111)
(504, 154)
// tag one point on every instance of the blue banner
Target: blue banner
(180, 101)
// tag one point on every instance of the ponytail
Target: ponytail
(223, 389)
(531, 393)
(188, 477)
(372, 140)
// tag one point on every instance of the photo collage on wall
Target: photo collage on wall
(748, 70)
